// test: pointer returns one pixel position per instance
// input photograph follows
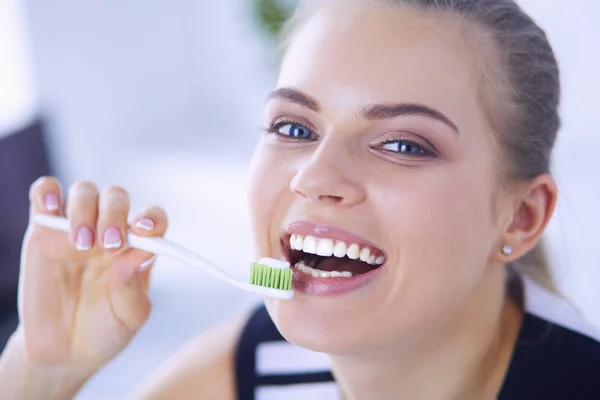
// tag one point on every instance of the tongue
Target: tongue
(357, 267)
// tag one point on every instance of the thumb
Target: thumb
(130, 272)
(129, 288)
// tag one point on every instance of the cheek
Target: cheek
(437, 224)
(268, 196)
(443, 227)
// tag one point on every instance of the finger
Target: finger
(44, 196)
(82, 210)
(112, 219)
(152, 222)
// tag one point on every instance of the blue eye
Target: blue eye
(292, 130)
(404, 147)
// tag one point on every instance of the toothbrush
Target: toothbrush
(268, 277)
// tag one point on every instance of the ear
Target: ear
(533, 207)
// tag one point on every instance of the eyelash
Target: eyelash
(275, 126)
(425, 151)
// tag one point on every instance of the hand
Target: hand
(83, 296)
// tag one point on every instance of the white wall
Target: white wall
(156, 76)
(18, 97)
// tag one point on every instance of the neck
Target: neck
(467, 359)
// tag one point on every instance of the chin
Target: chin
(310, 324)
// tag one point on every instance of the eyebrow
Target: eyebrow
(388, 111)
(371, 112)
(296, 96)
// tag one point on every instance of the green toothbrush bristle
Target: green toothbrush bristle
(276, 278)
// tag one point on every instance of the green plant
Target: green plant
(272, 14)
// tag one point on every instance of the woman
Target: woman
(407, 143)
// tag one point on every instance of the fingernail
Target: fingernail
(85, 239)
(52, 202)
(146, 264)
(112, 238)
(146, 224)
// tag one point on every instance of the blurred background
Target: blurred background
(165, 98)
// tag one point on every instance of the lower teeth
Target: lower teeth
(317, 273)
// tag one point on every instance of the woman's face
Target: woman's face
(376, 140)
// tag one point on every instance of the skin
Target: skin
(436, 313)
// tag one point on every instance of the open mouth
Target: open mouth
(327, 257)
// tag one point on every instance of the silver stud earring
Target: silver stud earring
(507, 250)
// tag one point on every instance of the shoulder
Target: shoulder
(557, 354)
(203, 368)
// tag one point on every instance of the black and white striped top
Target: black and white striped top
(557, 357)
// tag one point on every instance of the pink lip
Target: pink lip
(332, 286)
(306, 228)
(328, 286)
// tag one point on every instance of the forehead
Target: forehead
(350, 55)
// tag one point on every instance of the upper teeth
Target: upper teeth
(364, 254)
(325, 247)
(328, 247)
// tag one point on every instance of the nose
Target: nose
(327, 177)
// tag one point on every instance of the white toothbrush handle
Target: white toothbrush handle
(153, 245)
(164, 247)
